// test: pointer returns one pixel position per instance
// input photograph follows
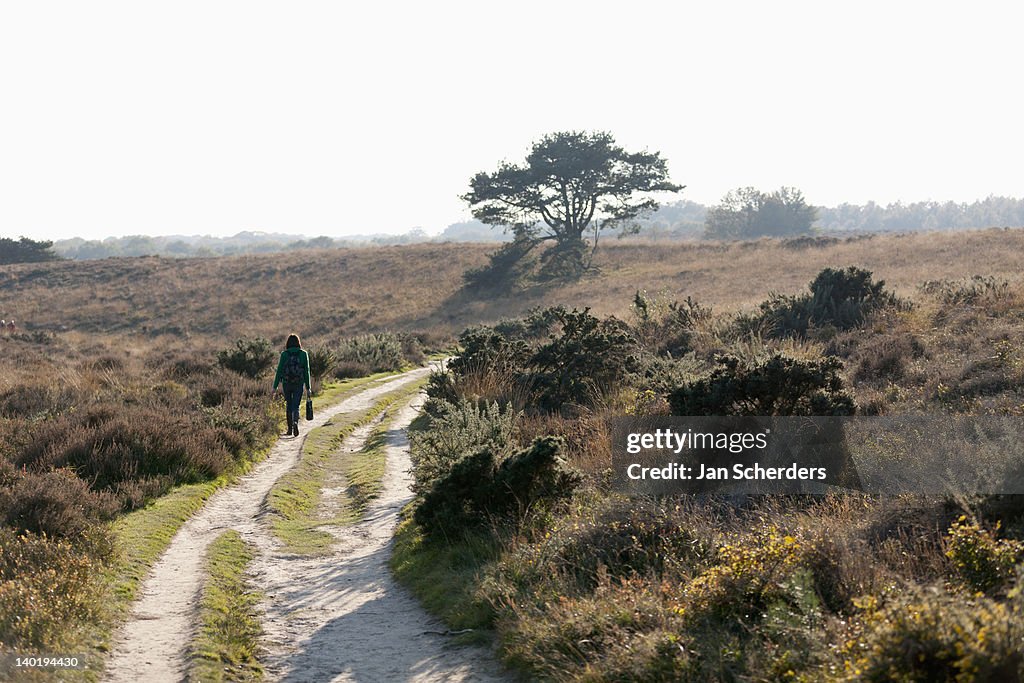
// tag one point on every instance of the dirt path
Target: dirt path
(151, 645)
(342, 617)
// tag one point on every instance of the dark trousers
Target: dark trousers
(292, 399)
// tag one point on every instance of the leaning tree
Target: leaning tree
(572, 187)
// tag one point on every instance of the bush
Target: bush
(486, 350)
(982, 562)
(778, 385)
(250, 357)
(589, 357)
(46, 586)
(930, 635)
(459, 430)
(376, 352)
(667, 328)
(478, 490)
(55, 504)
(322, 360)
(839, 298)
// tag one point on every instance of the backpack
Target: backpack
(294, 370)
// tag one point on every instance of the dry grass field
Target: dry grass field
(417, 287)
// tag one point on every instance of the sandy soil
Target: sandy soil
(342, 617)
(151, 645)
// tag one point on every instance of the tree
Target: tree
(572, 185)
(747, 212)
(25, 250)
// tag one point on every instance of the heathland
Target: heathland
(124, 385)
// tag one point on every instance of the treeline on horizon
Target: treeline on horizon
(675, 220)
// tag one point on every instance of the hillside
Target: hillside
(417, 287)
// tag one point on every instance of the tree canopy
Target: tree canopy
(572, 185)
(25, 250)
(747, 212)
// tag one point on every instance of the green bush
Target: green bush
(250, 357)
(778, 385)
(456, 431)
(589, 357)
(486, 350)
(322, 360)
(478, 489)
(838, 298)
(375, 352)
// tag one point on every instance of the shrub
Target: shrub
(322, 360)
(55, 504)
(46, 586)
(485, 350)
(377, 352)
(981, 561)
(778, 385)
(929, 635)
(349, 369)
(838, 298)
(667, 328)
(250, 357)
(589, 357)
(458, 430)
(975, 290)
(477, 489)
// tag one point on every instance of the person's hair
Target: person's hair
(293, 342)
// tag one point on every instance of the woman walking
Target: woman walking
(293, 371)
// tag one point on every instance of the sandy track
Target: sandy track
(152, 644)
(343, 617)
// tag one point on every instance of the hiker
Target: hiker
(293, 371)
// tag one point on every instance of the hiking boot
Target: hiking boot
(290, 426)
(295, 428)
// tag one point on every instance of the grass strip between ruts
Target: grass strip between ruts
(226, 645)
(296, 500)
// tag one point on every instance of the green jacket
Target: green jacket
(279, 377)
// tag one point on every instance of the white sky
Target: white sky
(331, 118)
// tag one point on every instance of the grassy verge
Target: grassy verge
(226, 645)
(444, 575)
(295, 501)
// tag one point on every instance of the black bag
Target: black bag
(309, 408)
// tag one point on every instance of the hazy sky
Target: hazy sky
(336, 118)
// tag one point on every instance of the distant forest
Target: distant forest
(675, 220)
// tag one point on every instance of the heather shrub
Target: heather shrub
(250, 357)
(666, 328)
(55, 503)
(974, 290)
(46, 586)
(349, 370)
(778, 385)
